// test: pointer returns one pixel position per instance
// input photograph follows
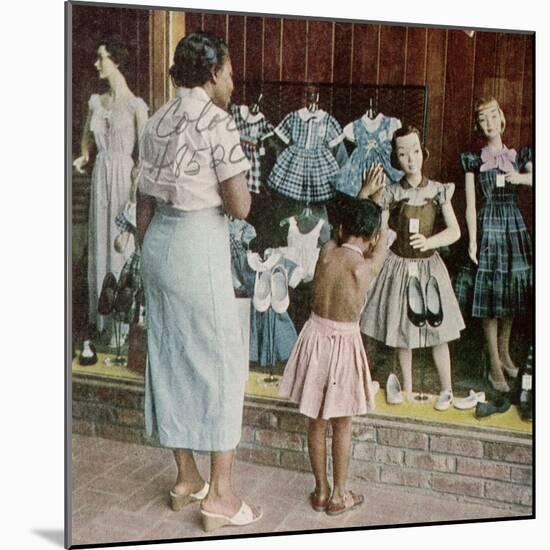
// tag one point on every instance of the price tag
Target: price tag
(526, 382)
(262, 151)
(414, 225)
(501, 182)
(413, 269)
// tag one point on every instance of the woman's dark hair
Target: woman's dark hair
(116, 49)
(402, 132)
(359, 217)
(197, 56)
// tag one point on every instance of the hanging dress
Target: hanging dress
(115, 136)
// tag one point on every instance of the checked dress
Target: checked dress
(500, 286)
(305, 169)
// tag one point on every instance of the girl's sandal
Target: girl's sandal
(318, 503)
(349, 502)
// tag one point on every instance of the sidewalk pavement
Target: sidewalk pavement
(120, 494)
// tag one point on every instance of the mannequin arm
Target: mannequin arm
(515, 178)
(444, 238)
(471, 216)
(85, 141)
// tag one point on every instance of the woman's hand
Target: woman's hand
(472, 252)
(80, 162)
(374, 180)
(419, 242)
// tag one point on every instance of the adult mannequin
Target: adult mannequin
(113, 123)
(498, 241)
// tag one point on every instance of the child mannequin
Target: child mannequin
(411, 206)
(503, 276)
(327, 373)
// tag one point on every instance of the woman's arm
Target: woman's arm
(145, 209)
(446, 237)
(236, 196)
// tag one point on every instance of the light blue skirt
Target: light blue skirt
(197, 369)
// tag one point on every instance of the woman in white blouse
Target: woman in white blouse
(193, 172)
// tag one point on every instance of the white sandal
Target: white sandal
(245, 516)
(179, 502)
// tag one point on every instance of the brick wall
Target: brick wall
(471, 464)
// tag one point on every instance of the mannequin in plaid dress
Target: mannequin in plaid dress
(499, 244)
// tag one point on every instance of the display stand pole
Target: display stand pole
(422, 396)
(119, 360)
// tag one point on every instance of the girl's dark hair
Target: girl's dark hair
(116, 49)
(402, 132)
(359, 217)
(197, 55)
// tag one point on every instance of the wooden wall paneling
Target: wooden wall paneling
(526, 132)
(320, 56)
(235, 41)
(216, 23)
(294, 49)
(159, 59)
(254, 48)
(435, 79)
(142, 56)
(459, 84)
(272, 48)
(343, 42)
(416, 54)
(485, 65)
(511, 57)
(193, 21)
(392, 54)
(366, 51)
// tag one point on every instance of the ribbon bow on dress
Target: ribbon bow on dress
(498, 160)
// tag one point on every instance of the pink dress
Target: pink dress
(327, 373)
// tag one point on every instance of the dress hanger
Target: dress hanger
(371, 114)
(313, 106)
(255, 107)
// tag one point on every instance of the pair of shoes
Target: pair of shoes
(106, 300)
(471, 401)
(394, 396)
(126, 290)
(444, 401)
(271, 289)
(500, 405)
(88, 355)
(319, 504)
(498, 386)
(178, 502)
(420, 310)
(349, 502)
(245, 516)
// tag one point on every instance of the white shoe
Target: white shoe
(279, 289)
(444, 401)
(471, 401)
(394, 396)
(262, 291)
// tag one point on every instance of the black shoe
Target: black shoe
(499, 405)
(107, 295)
(88, 354)
(416, 308)
(434, 311)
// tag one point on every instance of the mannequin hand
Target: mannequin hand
(374, 180)
(80, 162)
(419, 242)
(472, 252)
(515, 178)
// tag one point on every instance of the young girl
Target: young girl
(502, 279)
(327, 373)
(411, 206)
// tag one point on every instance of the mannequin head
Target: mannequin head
(360, 225)
(202, 59)
(111, 57)
(408, 154)
(489, 118)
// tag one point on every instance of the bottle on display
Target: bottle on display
(526, 391)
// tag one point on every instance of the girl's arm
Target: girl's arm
(471, 216)
(444, 238)
(85, 141)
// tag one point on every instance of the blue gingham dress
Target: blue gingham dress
(304, 171)
(500, 286)
(253, 129)
(372, 148)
